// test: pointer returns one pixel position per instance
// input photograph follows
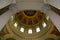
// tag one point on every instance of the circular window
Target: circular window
(30, 12)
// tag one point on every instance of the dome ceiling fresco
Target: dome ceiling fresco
(30, 22)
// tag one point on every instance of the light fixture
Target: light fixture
(44, 24)
(15, 24)
(30, 31)
(22, 29)
(38, 29)
(47, 17)
(12, 17)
